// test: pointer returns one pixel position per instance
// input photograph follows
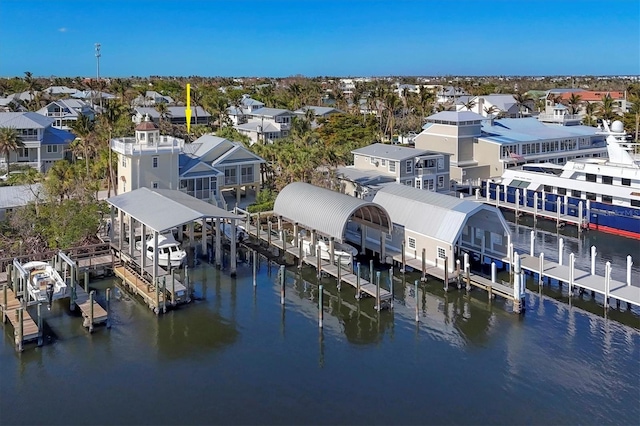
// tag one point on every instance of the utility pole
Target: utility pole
(98, 73)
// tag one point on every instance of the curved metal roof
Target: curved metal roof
(326, 211)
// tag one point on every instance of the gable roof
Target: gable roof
(18, 195)
(25, 120)
(173, 112)
(54, 136)
(270, 112)
(318, 110)
(502, 102)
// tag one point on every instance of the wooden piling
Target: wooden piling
(254, 267)
(378, 305)
(300, 244)
(318, 262)
(40, 324)
(20, 314)
(424, 264)
(4, 303)
(282, 284)
(446, 273)
(164, 295)
(320, 310)
(339, 278)
(86, 281)
(391, 287)
(415, 293)
(108, 297)
(458, 273)
(358, 281)
(404, 263)
(91, 301)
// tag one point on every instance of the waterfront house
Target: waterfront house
(206, 169)
(482, 148)
(43, 143)
(66, 112)
(379, 164)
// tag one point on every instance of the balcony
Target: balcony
(562, 119)
(426, 170)
(129, 146)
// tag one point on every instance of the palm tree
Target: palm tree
(32, 86)
(589, 110)
(163, 110)
(491, 110)
(391, 103)
(470, 103)
(426, 101)
(606, 109)
(85, 143)
(574, 103)
(9, 141)
(522, 100)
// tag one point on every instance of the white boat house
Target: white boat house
(441, 225)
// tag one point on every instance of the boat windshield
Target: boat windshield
(542, 169)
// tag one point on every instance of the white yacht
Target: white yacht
(171, 255)
(45, 283)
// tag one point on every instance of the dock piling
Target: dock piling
(541, 270)
(560, 250)
(91, 298)
(493, 272)
(629, 265)
(20, 315)
(415, 294)
(254, 267)
(446, 273)
(391, 287)
(108, 297)
(458, 273)
(572, 262)
(593, 260)
(424, 258)
(607, 283)
(282, 284)
(378, 305)
(39, 324)
(4, 303)
(358, 281)
(339, 277)
(320, 310)
(164, 295)
(532, 243)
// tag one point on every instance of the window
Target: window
(575, 193)
(143, 135)
(428, 184)
(409, 166)
(392, 166)
(124, 161)
(154, 185)
(383, 161)
(440, 181)
(562, 191)
(635, 203)
(607, 199)
(418, 184)
(230, 176)
(591, 177)
(626, 182)
(548, 189)
(591, 196)
(442, 253)
(607, 180)
(52, 148)
(408, 182)
(246, 174)
(412, 243)
(155, 162)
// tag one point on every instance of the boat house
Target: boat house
(441, 225)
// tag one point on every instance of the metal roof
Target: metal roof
(389, 152)
(164, 209)
(270, 112)
(25, 120)
(327, 211)
(431, 214)
(18, 195)
(456, 116)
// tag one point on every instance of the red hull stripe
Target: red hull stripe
(615, 231)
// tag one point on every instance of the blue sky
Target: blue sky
(316, 38)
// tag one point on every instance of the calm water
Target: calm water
(235, 356)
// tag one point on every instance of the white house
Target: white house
(175, 115)
(493, 105)
(66, 112)
(15, 196)
(266, 124)
(43, 143)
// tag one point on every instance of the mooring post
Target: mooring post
(173, 288)
(593, 260)
(493, 272)
(282, 284)
(446, 273)
(108, 297)
(91, 297)
(218, 243)
(518, 285)
(535, 207)
(572, 262)
(86, 281)
(40, 324)
(284, 241)
(629, 265)
(300, 245)
(541, 270)
(318, 262)
(269, 231)
(488, 191)
(391, 287)
(320, 310)
(458, 272)
(607, 283)
(580, 215)
(371, 279)
(497, 195)
(258, 226)
(424, 259)
(404, 263)
(560, 250)
(254, 267)
(164, 295)
(517, 202)
(339, 264)
(415, 294)
(157, 290)
(20, 328)
(532, 243)
(4, 303)
(378, 305)
(467, 271)
(358, 281)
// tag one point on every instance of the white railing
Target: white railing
(559, 118)
(130, 146)
(426, 170)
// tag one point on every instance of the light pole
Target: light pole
(98, 73)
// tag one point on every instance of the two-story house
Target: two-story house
(205, 168)
(379, 164)
(66, 112)
(264, 125)
(43, 143)
(174, 115)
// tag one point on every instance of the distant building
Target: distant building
(379, 164)
(266, 125)
(175, 115)
(43, 143)
(16, 196)
(66, 112)
(318, 111)
(152, 98)
(504, 106)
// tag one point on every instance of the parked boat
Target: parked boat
(342, 252)
(45, 283)
(241, 233)
(171, 254)
(609, 188)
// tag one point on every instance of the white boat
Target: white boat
(171, 255)
(342, 252)
(609, 188)
(45, 283)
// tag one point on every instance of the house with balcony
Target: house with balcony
(494, 105)
(66, 112)
(208, 168)
(175, 115)
(151, 98)
(482, 148)
(266, 125)
(43, 143)
(377, 165)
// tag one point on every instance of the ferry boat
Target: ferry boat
(609, 188)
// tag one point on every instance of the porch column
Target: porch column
(121, 227)
(155, 259)
(40, 169)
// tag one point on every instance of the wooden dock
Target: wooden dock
(609, 288)
(92, 313)
(345, 275)
(13, 310)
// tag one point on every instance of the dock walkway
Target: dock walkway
(92, 313)
(10, 310)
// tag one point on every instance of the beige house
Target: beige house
(379, 164)
(206, 169)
